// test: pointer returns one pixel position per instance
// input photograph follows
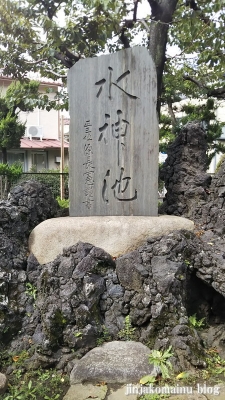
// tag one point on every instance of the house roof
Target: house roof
(43, 82)
(26, 143)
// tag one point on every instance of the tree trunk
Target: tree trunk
(4, 155)
(162, 15)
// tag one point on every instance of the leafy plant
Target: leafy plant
(52, 397)
(204, 113)
(104, 336)
(15, 394)
(63, 203)
(19, 360)
(154, 396)
(78, 334)
(29, 385)
(183, 375)
(127, 333)
(31, 290)
(50, 178)
(161, 359)
(9, 175)
(215, 364)
(195, 323)
(147, 379)
(25, 392)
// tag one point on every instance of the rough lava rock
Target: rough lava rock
(84, 293)
(60, 310)
(191, 192)
(184, 172)
(29, 204)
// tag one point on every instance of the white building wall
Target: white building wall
(49, 121)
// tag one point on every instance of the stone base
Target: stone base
(116, 235)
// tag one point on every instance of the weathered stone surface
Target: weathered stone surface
(116, 235)
(120, 394)
(85, 392)
(191, 192)
(3, 383)
(213, 211)
(29, 204)
(220, 396)
(81, 392)
(184, 172)
(83, 297)
(114, 141)
(113, 362)
(194, 396)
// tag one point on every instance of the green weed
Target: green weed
(161, 359)
(195, 323)
(31, 290)
(104, 336)
(128, 332)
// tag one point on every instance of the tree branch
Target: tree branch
(124, 39)
(36, 62)
(154, 6)
(193, 6)
(219, 93)
(171, 112)
(64, 60)
(50, 9)
(73, 56)
(67, 58)
(135, 10)
(55, 74)
(198, 83)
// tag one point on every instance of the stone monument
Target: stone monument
(114, 135)
(113, 159)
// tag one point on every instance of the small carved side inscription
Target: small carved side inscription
(88, 171)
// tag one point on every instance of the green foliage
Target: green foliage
(18, 97)
(205, 113)
(153, 396)
(36, 385)
(78, 334)
(13, 171)
(195, 323)
(104, 336)
(50, 178)
(166, 133)
(128, 332)
(220, 163)
(11, 130)
(51, 36)
(161, 359)
(9, 175)
(63, 203)
(84, 27)
(147, 379)
(215, 364)
(31, 290)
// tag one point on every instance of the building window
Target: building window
(39, 161)
(13, 157)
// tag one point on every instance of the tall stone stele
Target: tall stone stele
(113, 135)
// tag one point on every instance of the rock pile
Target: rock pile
(184, 173)
(84, 296)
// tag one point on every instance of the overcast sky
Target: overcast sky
(143, 9)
